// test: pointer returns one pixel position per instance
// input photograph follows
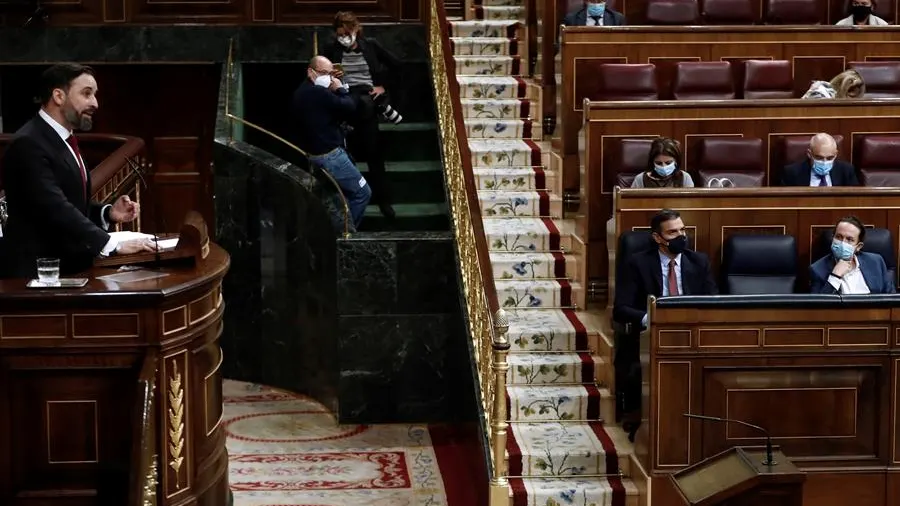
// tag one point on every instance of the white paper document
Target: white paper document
(129, 236)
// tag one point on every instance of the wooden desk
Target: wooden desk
(820, 374)
(817, 52)
(96, 382)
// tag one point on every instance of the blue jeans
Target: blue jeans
(354, 186)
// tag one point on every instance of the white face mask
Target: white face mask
(323, 81)
(347, 40)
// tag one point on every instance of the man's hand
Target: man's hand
(142, 245)
(842, 267)
(124, 210)
(335, 84)
(337, 74)
(376, 91)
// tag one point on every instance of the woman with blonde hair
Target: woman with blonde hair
(663, 167)
(847, 84)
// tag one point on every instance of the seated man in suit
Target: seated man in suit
(48, 186)
(848, 270)
(594, 14)
(668, 270)
(821, 166)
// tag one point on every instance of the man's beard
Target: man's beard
(78, 121)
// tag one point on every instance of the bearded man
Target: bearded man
(48, 186)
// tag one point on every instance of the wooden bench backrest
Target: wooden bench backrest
(816, 52)
(690, 121)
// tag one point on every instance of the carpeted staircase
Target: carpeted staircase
(560, 452)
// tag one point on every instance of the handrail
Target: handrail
(144, 468)
(487, 321)
(229, 69)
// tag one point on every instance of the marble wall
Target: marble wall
(401, 336)
(278, 224)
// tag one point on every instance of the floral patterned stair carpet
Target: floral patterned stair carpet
(559, 450)
(285, 449)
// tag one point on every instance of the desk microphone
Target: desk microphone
(136, 168)
(769, 460)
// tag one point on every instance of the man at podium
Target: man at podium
(48, 186)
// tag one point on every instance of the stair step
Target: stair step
(514, 178)
(499, 108)
(409, 217)
(483, 46)
(501, 129)
(500, 204)
(412, 182)
(549, 330)
(525, 234)
(613, 491)
(538, 403)
(534, 293)
(528, 265)
(492, 87)
(564, 449)
(552, 368)
(408, 144)
(504, 152)
(500, 12)
(487, 65)
(484, 28)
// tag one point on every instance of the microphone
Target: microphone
(136, 168)
(769, 460)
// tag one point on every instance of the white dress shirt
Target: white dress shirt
(64, 134)
(815, 178)
(664, 265)
(873, 21)
(853, 283)
(590, 21)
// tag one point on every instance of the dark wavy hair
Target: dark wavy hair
(664, 146)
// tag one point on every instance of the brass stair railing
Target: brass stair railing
(487, 322)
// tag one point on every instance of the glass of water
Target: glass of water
(48, 271)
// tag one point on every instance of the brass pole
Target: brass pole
(499, 493)
(315, 43)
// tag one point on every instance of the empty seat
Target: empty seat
(759, 264)
(673, 12)
(882, 78)
(768, 79)
(878, 240)
(736, 159)
(878, 160)
(729, 12)
(796, 12)
(628, 81)
(703, 80)
(628, 158)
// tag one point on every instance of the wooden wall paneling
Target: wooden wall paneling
(188, 11)
(817, 53)
(688, 122)
(322, 11)
(829, 405)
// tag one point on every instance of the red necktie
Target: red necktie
(73, 142)
(672, 280)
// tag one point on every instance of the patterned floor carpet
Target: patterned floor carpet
(560, 451)
(287, 450)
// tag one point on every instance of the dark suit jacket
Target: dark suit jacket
(379, 59)
(873, 269)
(798, 174)
(579, 18)
(643, 277)
(49, 215)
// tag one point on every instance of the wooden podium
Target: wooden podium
(192, 247)
(738, 477)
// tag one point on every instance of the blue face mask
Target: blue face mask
(842, 250)
(665, 170)
(822, 167)
(596, 9)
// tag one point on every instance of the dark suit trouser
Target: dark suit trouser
(627, 364)
(364, 141)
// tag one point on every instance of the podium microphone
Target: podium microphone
(769, 460)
